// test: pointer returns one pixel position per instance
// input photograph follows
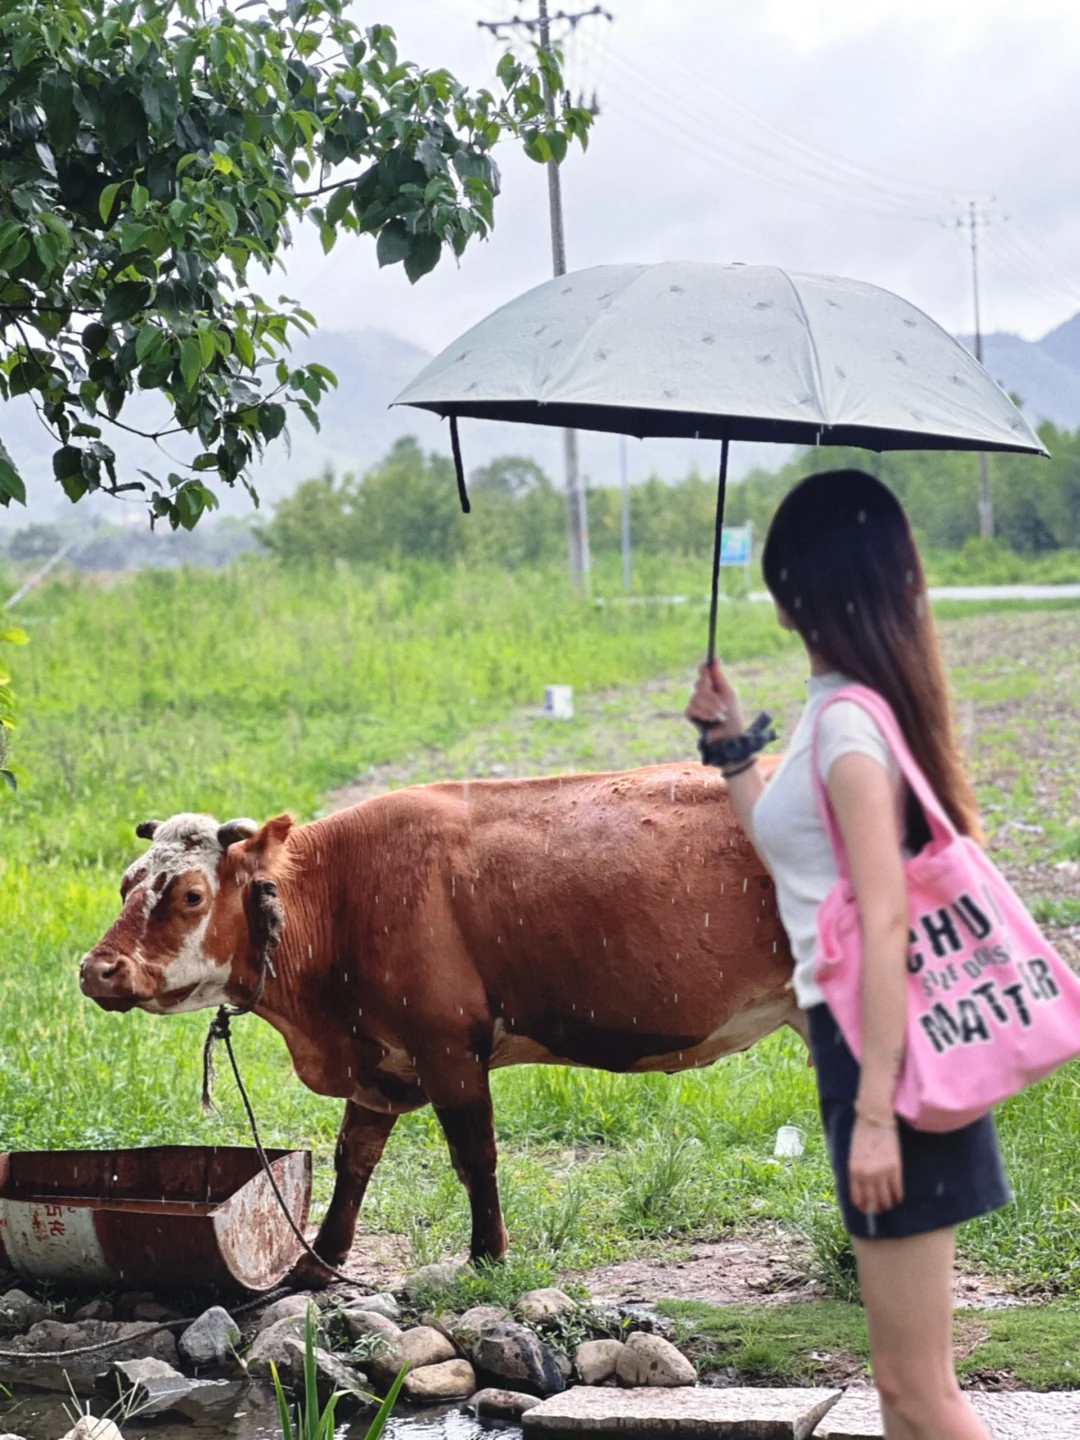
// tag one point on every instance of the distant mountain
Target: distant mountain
(1044, 373)
(358, 427)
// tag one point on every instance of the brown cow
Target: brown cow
(615, 921)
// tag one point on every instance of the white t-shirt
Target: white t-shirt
(788, 830)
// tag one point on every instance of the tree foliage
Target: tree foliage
(9, 636)
(155, 157)
(406, 507)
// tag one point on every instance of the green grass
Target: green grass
(788, 1343)
(254, 690)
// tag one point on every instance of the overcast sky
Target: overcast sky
(825, 135)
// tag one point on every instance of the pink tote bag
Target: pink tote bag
(992, 1008)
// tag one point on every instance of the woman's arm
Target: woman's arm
(865, 806)
(714, 699)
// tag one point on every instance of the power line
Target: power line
(539, 25)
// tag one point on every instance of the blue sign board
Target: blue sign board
(735, 545)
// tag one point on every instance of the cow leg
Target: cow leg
(470, 1134)
(360, 1145)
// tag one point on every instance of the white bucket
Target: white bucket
(789, 1143)
(559, 702)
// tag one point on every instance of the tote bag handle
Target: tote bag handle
(942, 830)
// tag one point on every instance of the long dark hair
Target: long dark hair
(841, 560)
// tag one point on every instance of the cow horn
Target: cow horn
(148, 829)
(234, 830)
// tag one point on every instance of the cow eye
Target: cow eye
(193, 897)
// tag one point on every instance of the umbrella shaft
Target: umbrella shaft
(721, 495)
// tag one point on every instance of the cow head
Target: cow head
(194, 916)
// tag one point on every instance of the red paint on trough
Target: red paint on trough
(171, 1215)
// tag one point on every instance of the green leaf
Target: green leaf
(140, 197)
(9, 779)
(244, 348)
(107, 200)
(191, 362)
(147, 340)
(14, 637)
(422, 257)
(207, 348)
(125, 300)
(271, 420)
(11, 485)
(394, 243)
(339, 203)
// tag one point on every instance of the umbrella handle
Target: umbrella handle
(721, 495)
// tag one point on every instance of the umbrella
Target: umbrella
(723, 352)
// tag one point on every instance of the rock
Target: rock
(99, 1309)
(536, 1306)
(88, 1427)
(152, 1387)
(361, 1323)
(564, 1363)
(134, 1341)
(80, 1372)
(10, 1435)
(650, 1413)
(417, 1348)
(434, 1277)
(441, 1320)
(468, 1328)
(513, 1354)
(437, 1384)
(152, 1313)
(595, 1360)
(381, 1304)
(269, 1345)
(283, 1309)
(211, 1340)
(18, 1311)
(125, 1306)
(332, 1376)
(499, 1404)
(652, 1360)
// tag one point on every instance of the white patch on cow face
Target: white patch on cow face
(181, 845)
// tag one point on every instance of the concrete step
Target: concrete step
(1009, 1415)
(680, 1414)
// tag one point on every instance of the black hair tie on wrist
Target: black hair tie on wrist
(738, 748)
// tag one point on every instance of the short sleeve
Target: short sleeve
(844, 729)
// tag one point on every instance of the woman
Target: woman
(843, 569)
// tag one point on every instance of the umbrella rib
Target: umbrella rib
(814, 356)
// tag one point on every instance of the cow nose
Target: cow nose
(106, 975)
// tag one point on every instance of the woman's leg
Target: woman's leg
(907, 1291)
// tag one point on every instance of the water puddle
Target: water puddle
(45, 1416)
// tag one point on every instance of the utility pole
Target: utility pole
(624, 481)
(577, 514)
(986, 502)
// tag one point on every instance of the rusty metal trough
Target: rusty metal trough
(171, 1216)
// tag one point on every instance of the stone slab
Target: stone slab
(1009, 1415)
(685, 1414)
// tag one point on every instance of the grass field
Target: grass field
(251, 691)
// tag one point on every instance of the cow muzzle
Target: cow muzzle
(112, 981)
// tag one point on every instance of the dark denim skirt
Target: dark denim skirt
(948, 1178)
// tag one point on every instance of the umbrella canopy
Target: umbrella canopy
(727, 352)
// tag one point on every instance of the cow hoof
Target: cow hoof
(308, 1274)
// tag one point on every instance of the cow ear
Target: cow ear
(234, 830)
(261, 853)
(147, 829)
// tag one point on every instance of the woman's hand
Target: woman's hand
(715, 703)
(874, 1169)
